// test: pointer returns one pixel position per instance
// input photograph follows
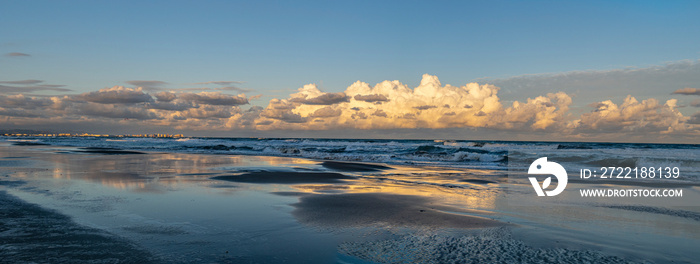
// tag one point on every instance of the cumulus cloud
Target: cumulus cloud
(17, 54)
(633, 116)
(426, 106)
(688, 91)
(388, 105)
(117, 95)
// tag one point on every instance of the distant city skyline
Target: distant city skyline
(510, 70)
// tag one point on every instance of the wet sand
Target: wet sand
(367, 209)
(31, 234)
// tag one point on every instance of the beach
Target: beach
(102, 203)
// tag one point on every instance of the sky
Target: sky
(524, 70)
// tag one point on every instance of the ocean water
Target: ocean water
(491, 155)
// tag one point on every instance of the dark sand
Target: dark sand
(285, 177)
(353, 166)
(31, 234)
(364, 209)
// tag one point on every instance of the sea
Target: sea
(470, 154)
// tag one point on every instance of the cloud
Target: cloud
(116, 95)
(385, 106)
(148, 85)
(326, 112)
(695, 119)
(695, 103)
(233, 88)
(311, 95)
(615, 84)
(688, 91)
(29, 86)
(165, 96)
(371, 98)
(25, 102)
(214, 98)
(424, 107)
(113, 111)
(402, 107)
(17, 54)
(633, 116)
(179, 106)
(23, 82)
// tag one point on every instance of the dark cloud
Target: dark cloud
(424, 107)
(372, 98)
(286, 116)
(379, 112)
(116, 95)
(324, 99)
(25, 102)
(165, 96)
(160, 105)
(326, 112)
(687, 91)
(264, 123)
(17, 54)
(214, 98)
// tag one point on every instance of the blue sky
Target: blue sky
(285, 44)
(275, 47)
